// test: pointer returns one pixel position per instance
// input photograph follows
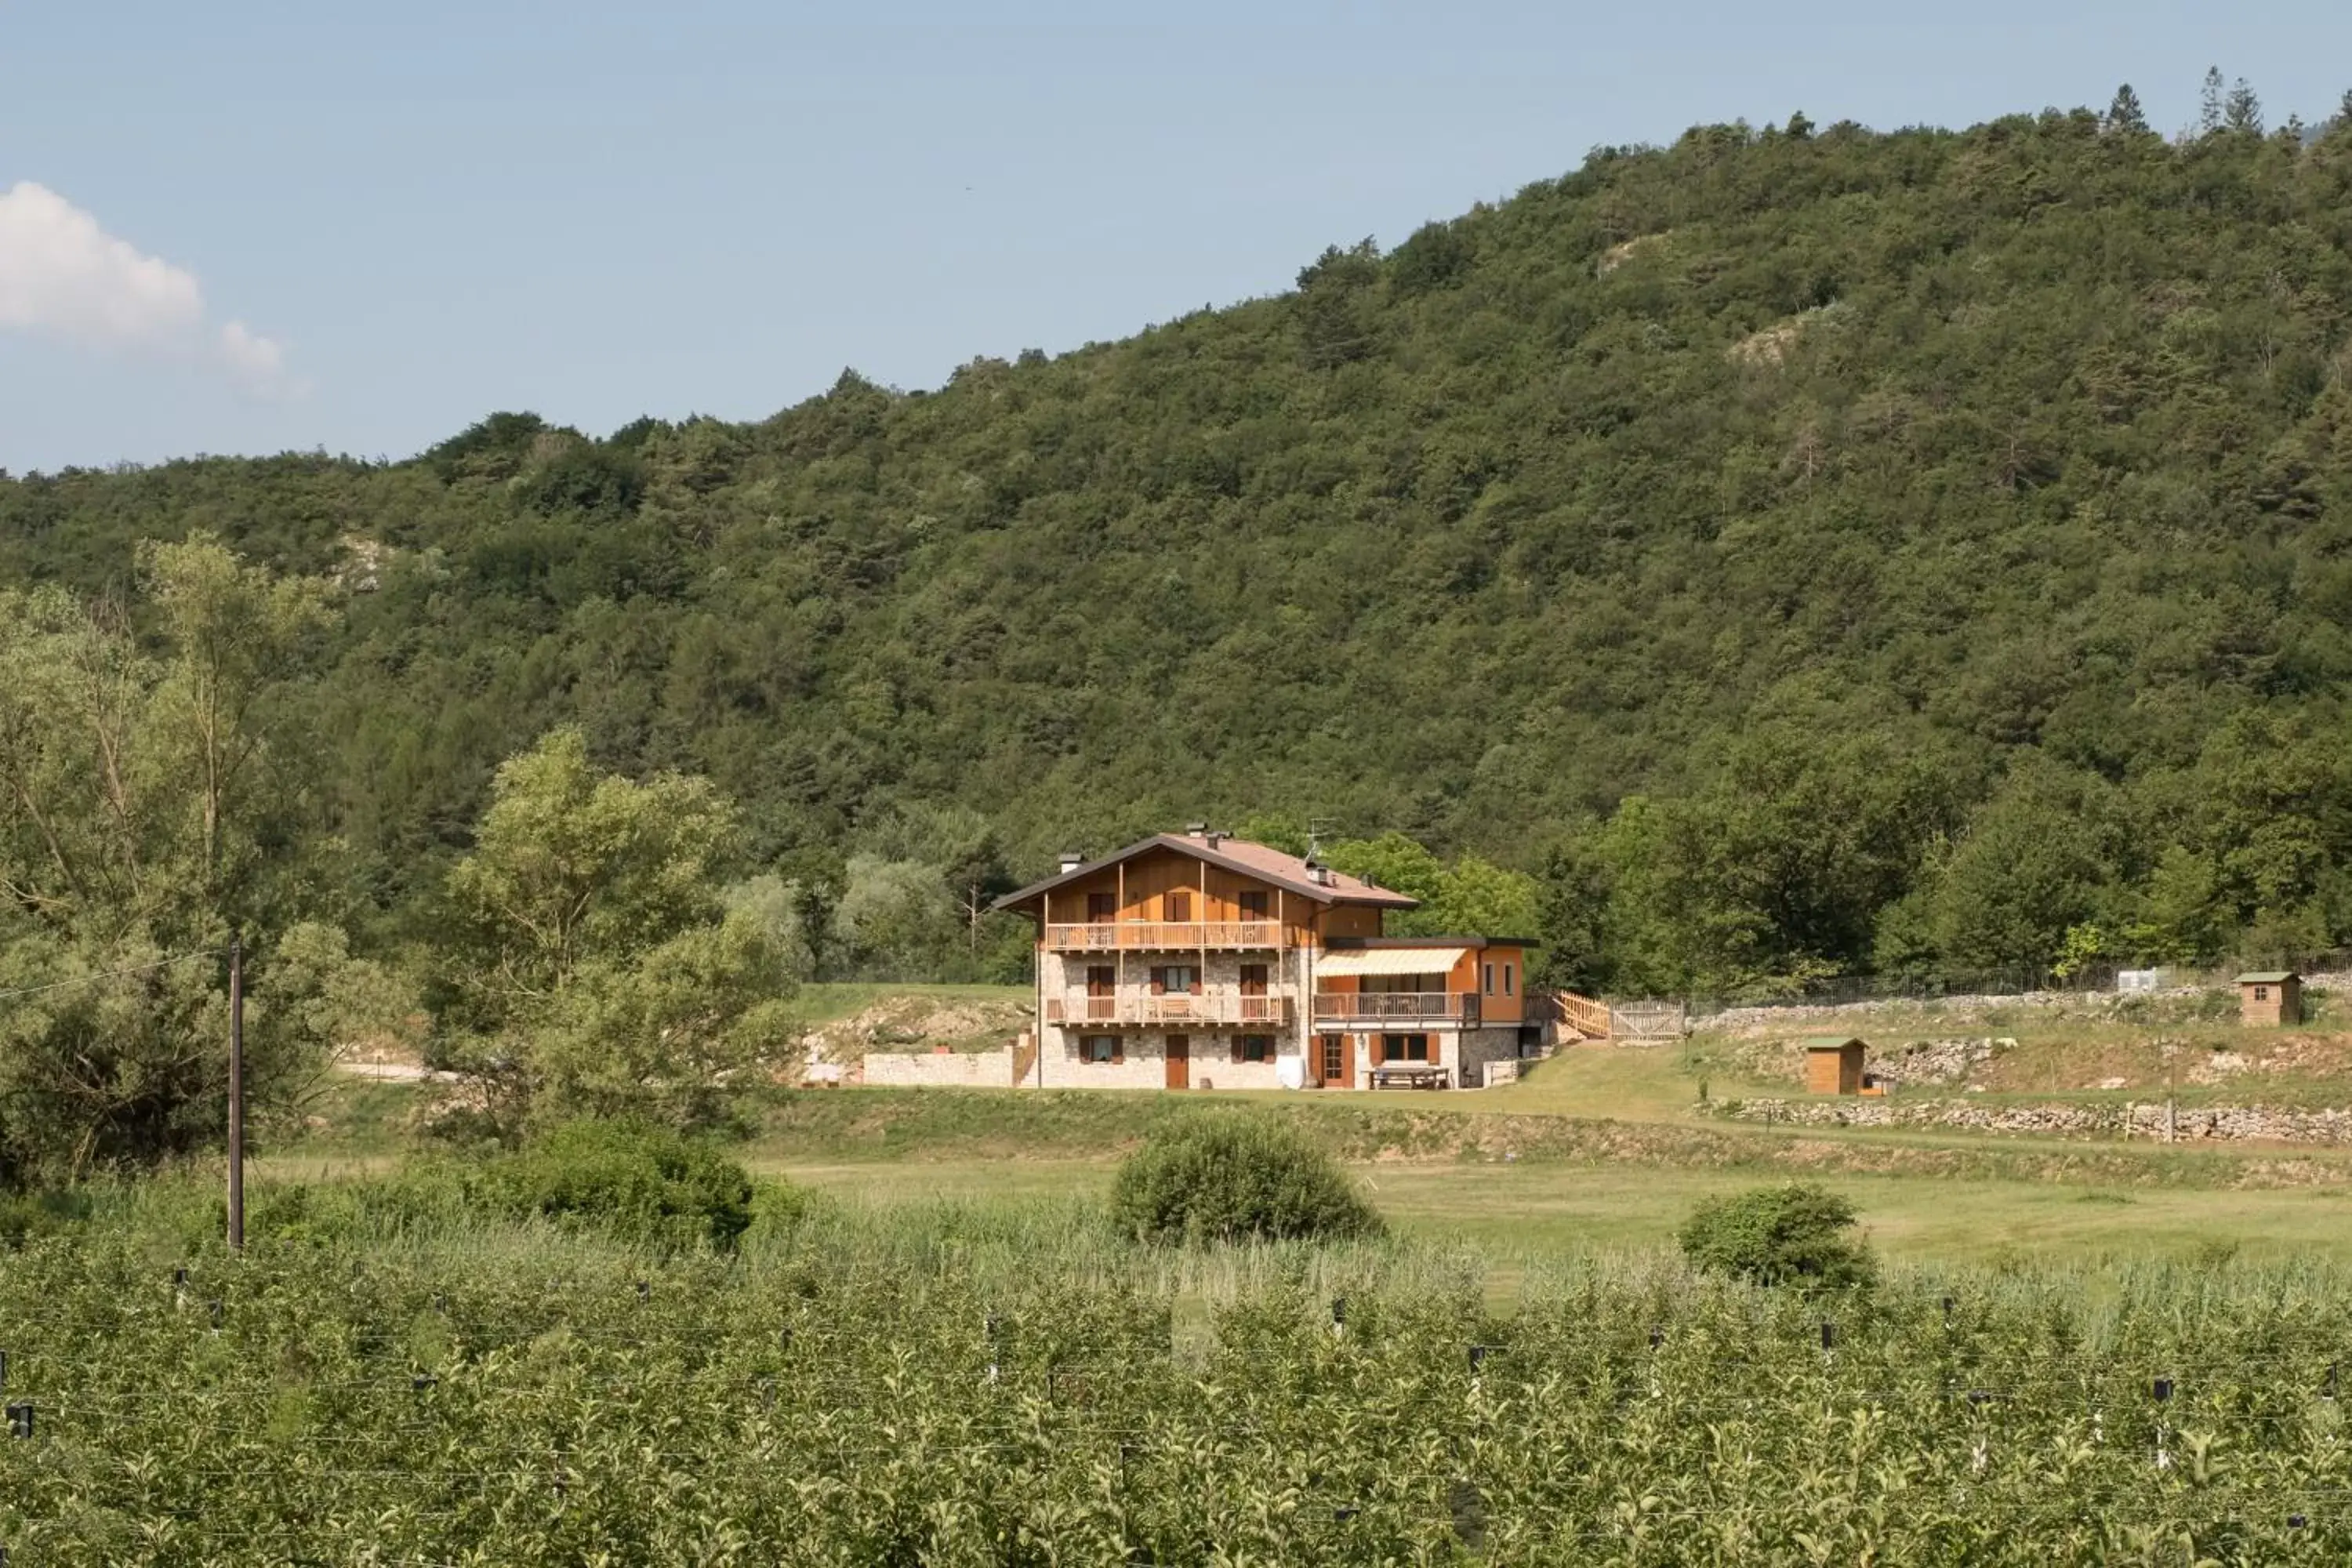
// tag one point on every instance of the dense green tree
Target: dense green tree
(143, 816)
(590, 965)
(2124, 114)
(1907, 458)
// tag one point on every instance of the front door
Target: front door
(1338, 1062)
(1179, 1062)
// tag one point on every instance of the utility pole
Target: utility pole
(236, 1091)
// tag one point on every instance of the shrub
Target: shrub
(1796, 1233)
(1236, 1177)
(26, 1216)
(647, 1182)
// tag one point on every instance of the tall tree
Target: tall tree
(592, 965)
(136, 797)
(2124, 114)
(2242, 112)
(233, 629)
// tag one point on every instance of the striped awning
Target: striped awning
(1389, 961)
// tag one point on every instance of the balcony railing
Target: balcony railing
(1111, 936)
(1141, 1008)
(1397, 1006)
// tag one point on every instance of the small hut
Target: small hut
(1833, 1065)
(2269, 998)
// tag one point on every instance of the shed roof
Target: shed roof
(1263, 861)
(2268, 977)
(1831, 1042)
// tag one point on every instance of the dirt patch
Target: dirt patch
(1768, 346)
(916, 1022)
(1617, 255)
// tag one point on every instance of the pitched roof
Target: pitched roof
(2268, 977)
(1261, 861)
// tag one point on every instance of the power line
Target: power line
(113, 973)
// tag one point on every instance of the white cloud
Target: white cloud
(62, 276)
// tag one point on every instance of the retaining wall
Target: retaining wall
(2251, 1123)
(960, 1070)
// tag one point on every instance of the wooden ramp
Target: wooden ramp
(1582, 1018)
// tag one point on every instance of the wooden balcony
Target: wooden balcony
(1165, 936)
(1140, 1009)
(1397, 1007)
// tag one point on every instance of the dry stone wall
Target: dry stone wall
(2250, 1124)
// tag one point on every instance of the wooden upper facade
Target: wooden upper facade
(1201, 891)
(1205, 931)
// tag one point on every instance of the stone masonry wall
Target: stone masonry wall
(2138, 1119)
(1146, 1063)
(957, 1069)
(1482, 1047)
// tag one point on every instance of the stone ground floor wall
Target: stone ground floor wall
(958, 1069)
(1144, 1061)
(1481, 1047)
(2138, 1120)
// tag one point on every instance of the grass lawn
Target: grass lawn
(1518, 1214)
(1597, 1148)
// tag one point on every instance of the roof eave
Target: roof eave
(1378, 898)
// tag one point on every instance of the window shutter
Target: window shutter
(1238, 1050)
(1158, 981)
(1117, 1049)
(1196, 982)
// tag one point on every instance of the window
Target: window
(1490, 980)
(1253, 906)
(1180, 906)
(1102, 980)
(1405, 1048)
(1506, 980)
(1253, 979)
(1101, 908)
(1100, 1049)
(2262, 993)
(1254, 1048)
(1175, 979)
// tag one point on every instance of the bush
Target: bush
(1796, 1233)
(646, 1183)
(1236, 1177)
(27, 1215)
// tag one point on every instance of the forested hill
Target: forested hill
(1942, 535)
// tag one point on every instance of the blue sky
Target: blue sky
(249, 227)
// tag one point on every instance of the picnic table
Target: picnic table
(1408, 1075)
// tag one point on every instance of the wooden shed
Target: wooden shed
(2270, 997)
(1833, 1065)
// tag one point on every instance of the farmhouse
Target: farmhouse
(1199, 961)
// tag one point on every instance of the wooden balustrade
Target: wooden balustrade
(1171, 936)
(1141, 1008)
(1399, 1006)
